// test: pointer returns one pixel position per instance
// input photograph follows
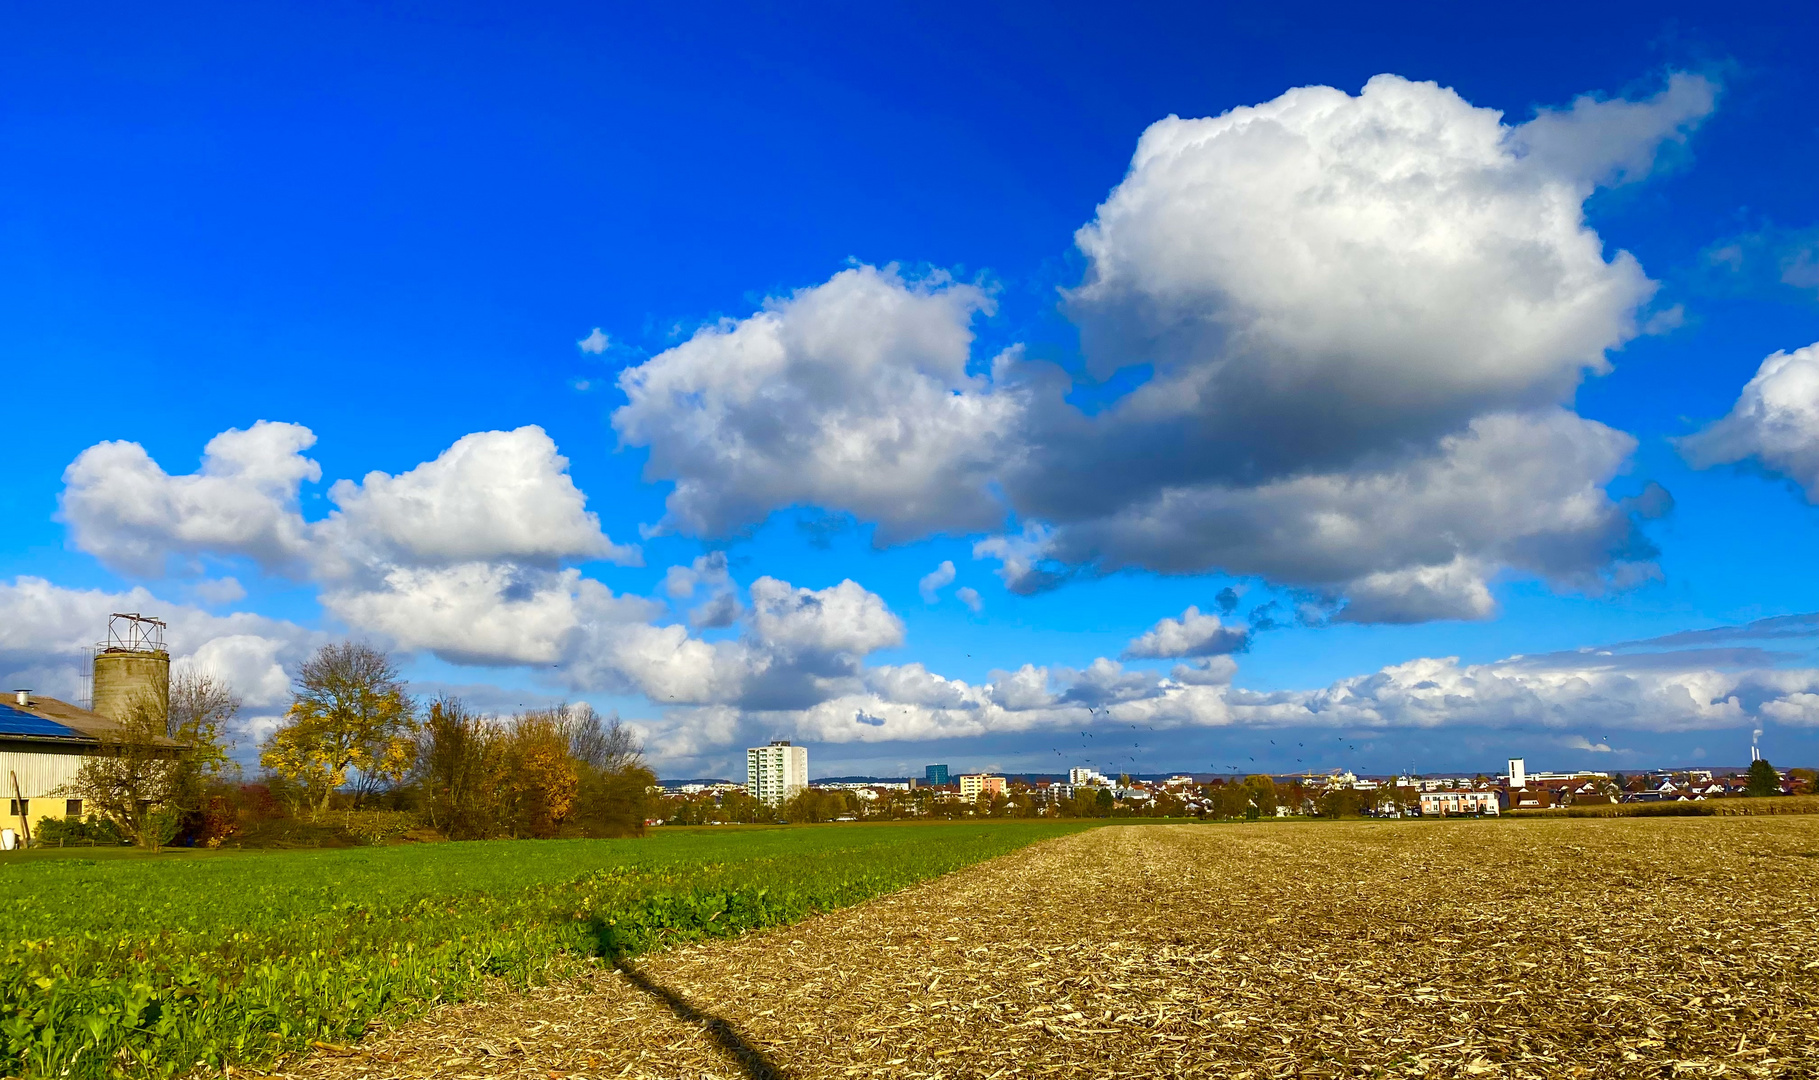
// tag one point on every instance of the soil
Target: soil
(1597, 948)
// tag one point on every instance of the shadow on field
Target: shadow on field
(749, 1058)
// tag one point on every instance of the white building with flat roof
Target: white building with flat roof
(1444, 803)
(775, 773)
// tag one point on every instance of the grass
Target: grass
(149, 966)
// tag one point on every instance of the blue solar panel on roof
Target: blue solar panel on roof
(19, 722)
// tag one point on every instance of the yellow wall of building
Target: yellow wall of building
(40, 774)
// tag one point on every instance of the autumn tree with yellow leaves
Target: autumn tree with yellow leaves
(562, 771)
(540, 774)
(349, 719)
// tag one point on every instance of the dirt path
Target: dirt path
(1554, 948)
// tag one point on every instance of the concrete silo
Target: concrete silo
(132, 667)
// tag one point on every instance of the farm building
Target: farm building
(42, 744)
(43, 740)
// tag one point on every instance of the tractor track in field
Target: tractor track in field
(1652, 947)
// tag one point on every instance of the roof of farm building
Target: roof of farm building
(46, 719)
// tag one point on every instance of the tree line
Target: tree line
(1249, 796)
(353, 738)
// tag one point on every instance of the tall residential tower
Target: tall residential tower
(776, 772)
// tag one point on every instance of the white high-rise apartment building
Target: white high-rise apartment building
(775, 773)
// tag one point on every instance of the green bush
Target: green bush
(78, 832)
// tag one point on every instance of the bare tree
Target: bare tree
(202, 706)
(613, 794)
(607, 745)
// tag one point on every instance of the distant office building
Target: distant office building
(1518, 774)
(1078, 777)
(935, 775)
(775, 773)
(971, 787)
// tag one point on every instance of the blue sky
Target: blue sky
(392, 227)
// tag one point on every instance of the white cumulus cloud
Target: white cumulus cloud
(1363, 318)
(493, 495)
(125, 510)
(852, 394)
(1775, 422)
(484, 613)
(845, 619)
(1192, 635)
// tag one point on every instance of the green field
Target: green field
(117, 965)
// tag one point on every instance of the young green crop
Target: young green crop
(150, 966)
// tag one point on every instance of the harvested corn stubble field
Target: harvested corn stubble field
(1598, 948)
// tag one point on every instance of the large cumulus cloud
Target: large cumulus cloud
(854, 394)
(1325, 273)
(493, 495)
(1359, 321)
(124, 509)
(463, 556)
(1402, 541)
